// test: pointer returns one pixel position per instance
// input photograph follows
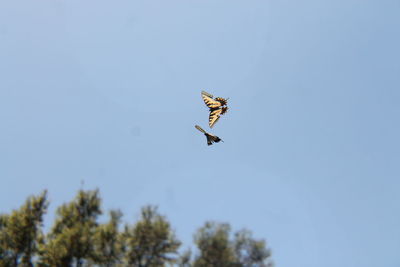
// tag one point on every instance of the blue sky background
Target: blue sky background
(109, 91)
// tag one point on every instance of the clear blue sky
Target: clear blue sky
(109, 91)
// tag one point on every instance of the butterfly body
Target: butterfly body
(221, 100)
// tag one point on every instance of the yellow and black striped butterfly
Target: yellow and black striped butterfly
(211, 102)
(210, 137)
(216, 106)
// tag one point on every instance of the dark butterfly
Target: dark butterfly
(216, 106)
(210, 138)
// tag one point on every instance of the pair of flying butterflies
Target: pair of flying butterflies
(217, 108)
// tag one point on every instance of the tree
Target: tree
(77, 239)
(217, 248)
(71, 238)
(251, 252)
(20, 232)
(150, 242)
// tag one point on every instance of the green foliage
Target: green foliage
(71, 239)
(78, 239)
(250, 252)
(108, 242)
(217, 248)
(20, 232)
(184, 259)
(150, 242)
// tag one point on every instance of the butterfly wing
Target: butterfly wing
(214, 117)
(200, 129)
(212, 139)
(217, 139)
(207, 94)
(209, 140)
(209, 101)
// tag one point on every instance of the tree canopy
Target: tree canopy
(77, 238)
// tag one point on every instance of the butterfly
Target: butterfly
(216, 105)
(210, 137)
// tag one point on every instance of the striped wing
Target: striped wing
(212, 139)
(214, 117)
(215, 114)
(209, 101)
